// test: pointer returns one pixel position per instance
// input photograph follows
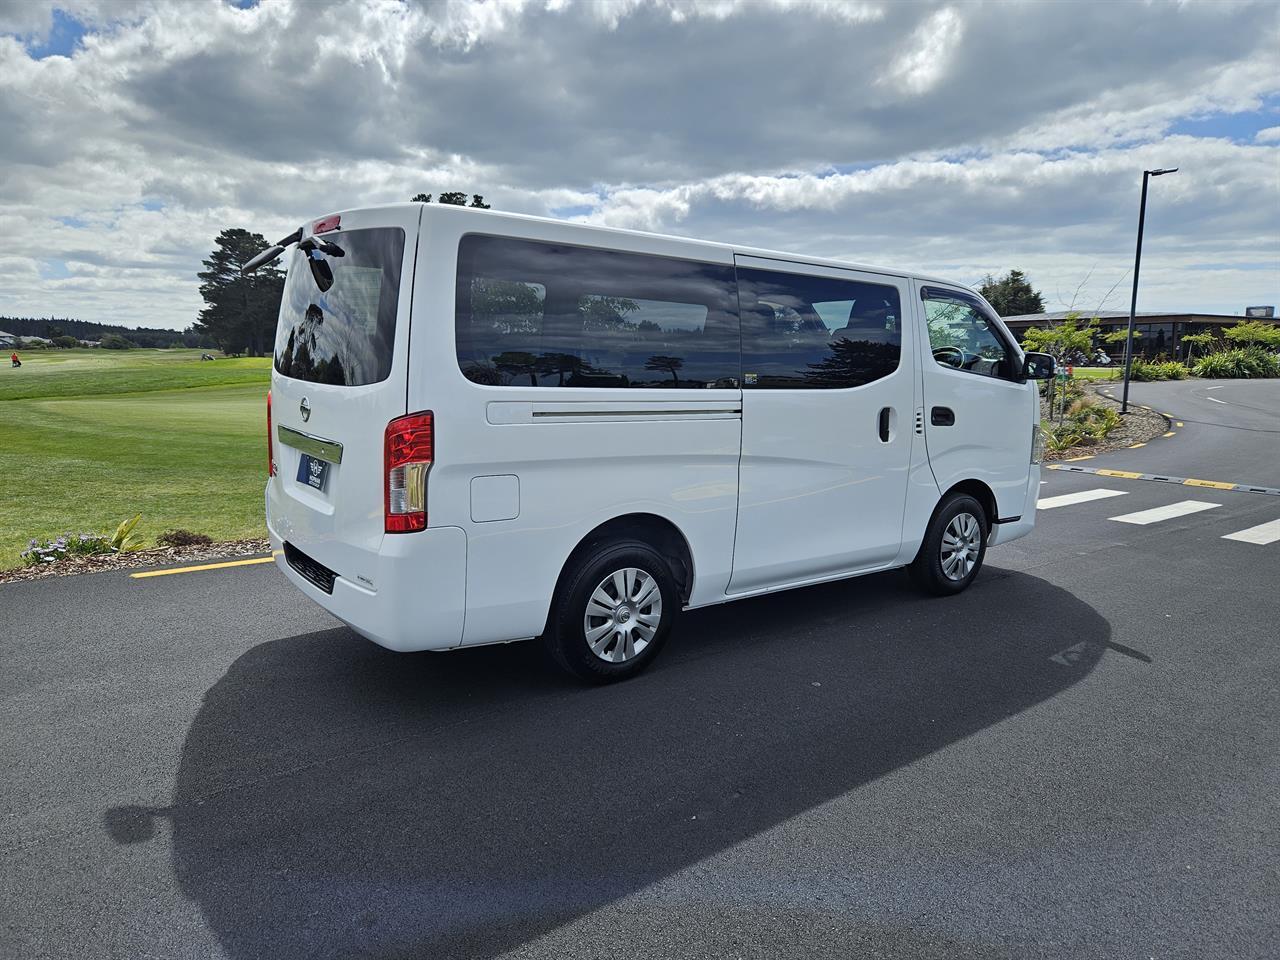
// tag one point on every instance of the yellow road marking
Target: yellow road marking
(203, 566)
(1172, 433)
(1088, 456)
(1135, 446)
(1209, 483)
(1126, 474)
(1179, 423)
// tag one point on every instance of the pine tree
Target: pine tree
(1011, 295)
(240, 312)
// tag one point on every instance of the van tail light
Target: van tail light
(271, 447)
(408, 450)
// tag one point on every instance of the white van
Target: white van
(486, 427)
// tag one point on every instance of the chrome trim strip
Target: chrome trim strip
(705, 412)
(329, 450)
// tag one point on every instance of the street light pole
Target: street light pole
(1133, 302)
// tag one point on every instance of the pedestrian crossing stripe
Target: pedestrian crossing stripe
(1084, 496)
(1263, 534)
(1159, 478)
(1169, 511)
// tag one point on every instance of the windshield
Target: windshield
(341, 330)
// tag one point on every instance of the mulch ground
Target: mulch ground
(157, 557)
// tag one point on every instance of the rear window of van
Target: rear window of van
(338, 313)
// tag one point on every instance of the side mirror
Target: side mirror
(1038, 366)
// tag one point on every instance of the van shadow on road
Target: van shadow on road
(337, 800)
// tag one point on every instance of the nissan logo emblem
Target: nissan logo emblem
(304, 408)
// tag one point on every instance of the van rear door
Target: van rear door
(340, 374)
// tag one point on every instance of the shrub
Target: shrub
(1238, 363)
(1061, 436)
(124, 540)
(183, 538)
(1157, 370)
(47, 551)
(1094, 422)
(114, 341)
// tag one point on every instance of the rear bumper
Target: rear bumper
(417, 601)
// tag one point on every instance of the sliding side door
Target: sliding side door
(827, 402)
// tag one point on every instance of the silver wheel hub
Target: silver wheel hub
(623, 614)
(961, 544)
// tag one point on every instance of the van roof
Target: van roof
(445, 209)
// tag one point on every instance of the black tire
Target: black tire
(927, 569)
(566, 637)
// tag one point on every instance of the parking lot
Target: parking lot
(1079, 757)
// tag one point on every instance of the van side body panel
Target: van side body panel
(581, 455)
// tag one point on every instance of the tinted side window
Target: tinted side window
(962, 336)
(552, 315)
(816, 332)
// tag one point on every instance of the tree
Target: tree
(240, 312)
(1120, 335)
(454, 198)
(1193, 340)
(1253, 332)
(1061, 340)
(1011, 295)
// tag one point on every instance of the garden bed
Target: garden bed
(1137, 426)
(159, 556)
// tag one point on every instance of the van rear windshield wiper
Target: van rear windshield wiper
(327, 247)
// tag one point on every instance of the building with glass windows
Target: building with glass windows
(1155, 334)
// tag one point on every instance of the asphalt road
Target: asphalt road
(1079, 757)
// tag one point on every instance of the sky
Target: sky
(957, 139)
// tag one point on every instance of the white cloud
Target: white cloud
(960, 139)
(929, 52)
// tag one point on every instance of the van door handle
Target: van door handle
(942, 417)
(884, 425)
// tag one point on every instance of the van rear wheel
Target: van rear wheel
(613, 612)
(954, 547)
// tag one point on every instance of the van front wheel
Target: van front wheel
(953, 548)
(613, 612)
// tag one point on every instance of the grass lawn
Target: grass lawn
(95, 372)
(1098, 373)
(90, 437)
